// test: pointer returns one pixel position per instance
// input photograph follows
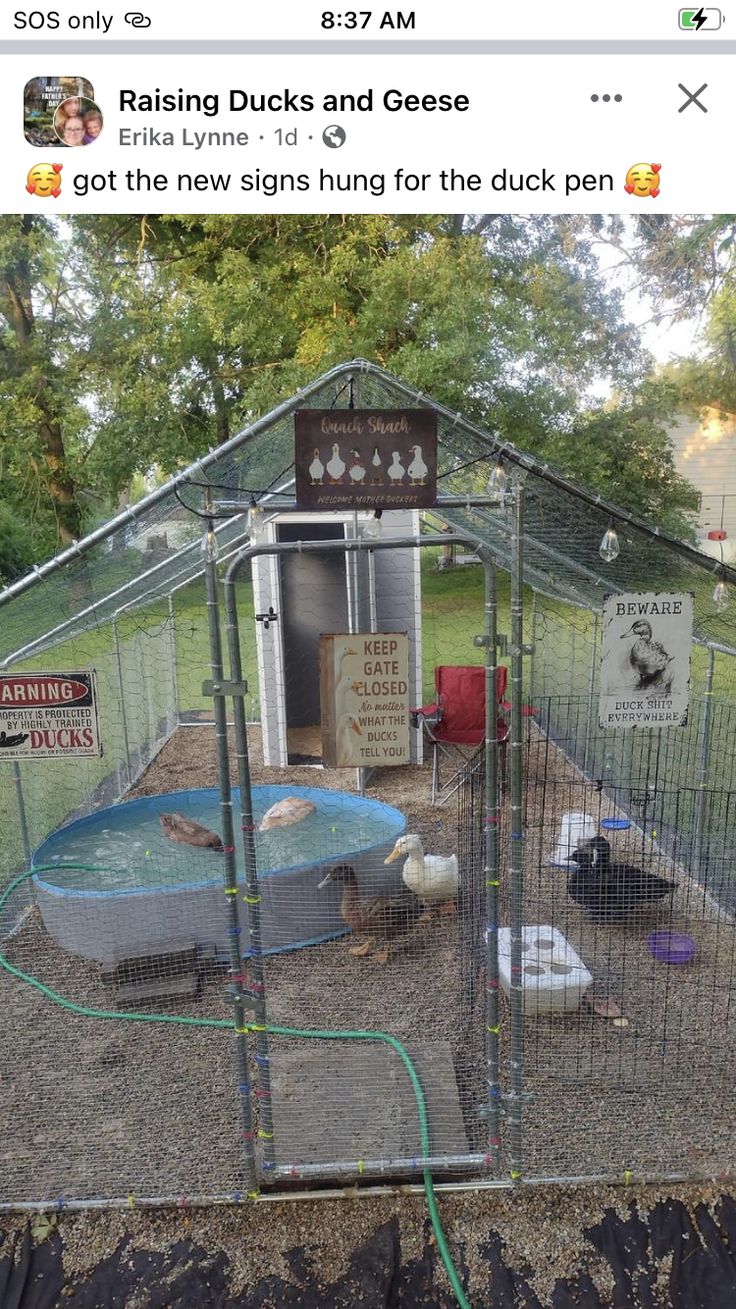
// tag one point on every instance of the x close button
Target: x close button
(692, 98)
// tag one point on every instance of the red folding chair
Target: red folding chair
(454, 725)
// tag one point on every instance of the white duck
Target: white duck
(336, 465)
(346, 728)
(396, 471)
(356, 471)
(377, 466)
(316, 470)
(433, 877)
(417, 468)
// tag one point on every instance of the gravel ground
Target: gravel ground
(111, 1109)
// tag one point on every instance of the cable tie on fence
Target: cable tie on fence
(490, 820)
(492, 984)
(494, 1031)
(261, 1093)
(361, 1166)
(248, 1136)
(233, 931)
(236, 1196)
(414, 1163)
(183, 1201)
(239, 977)
(264, 1136)
(515, 968)
(293, 1171)
(242, 1031)
(248, 827)
(515, 1174)
(60, 1203)
(491, 927)
(252, 899)
(263, 1060)
(267, 1166)
(258, 1027)
(628, 1177)
(493, 882)
(131, 1202)
(488, 1160)
(494, 1092)
(517, 836)
(245, 1088)
(495, 1141)
(226, 849)
(231, 890)
(253, 1195)
(257, 987)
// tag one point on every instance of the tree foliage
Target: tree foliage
(154, 339)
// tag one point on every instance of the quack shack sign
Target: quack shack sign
(365, 458)
(645, 665)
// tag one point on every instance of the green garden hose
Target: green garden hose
(392, 1041)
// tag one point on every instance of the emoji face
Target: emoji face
(643, 180)
(44, 180)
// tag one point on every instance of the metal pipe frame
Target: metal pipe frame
(258, 995)
(591, 693)
(706, 715)
(121, 689)
(22, 816)
(231, 883)
(514, 1100)
(491, 820)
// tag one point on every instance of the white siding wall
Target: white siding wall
(705, 453)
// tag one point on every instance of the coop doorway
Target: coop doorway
(314, 599)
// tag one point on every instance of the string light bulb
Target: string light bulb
(610, 547)
(497, 479)
(210, 548)
(371, 527)
(721, 594)
(254, 522)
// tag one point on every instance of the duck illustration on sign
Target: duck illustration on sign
(356, 471)
(317, 470)
(396, 470)
(336, 465)
(645, 662)
(417, 467)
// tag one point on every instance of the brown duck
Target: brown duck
(379, 917)
(180, 828)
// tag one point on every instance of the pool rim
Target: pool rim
(149, 801)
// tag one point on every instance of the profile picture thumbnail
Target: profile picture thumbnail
(42, 99)
(77, 121)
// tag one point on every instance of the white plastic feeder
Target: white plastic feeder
(554, 978)
(574, 828)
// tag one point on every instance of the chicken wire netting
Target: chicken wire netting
(143, 1109)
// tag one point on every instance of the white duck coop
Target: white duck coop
(543, 1017)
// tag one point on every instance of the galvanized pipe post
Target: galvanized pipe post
(18, 781)
(706, 715)
(533, 645)
(514, 1099)
(254, 986)
(491, 818)
(174, 674)
(121, 689)
(231, 880)
(591, 693)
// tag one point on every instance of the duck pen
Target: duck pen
(368, 812)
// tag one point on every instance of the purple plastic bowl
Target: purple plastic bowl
(671, 947)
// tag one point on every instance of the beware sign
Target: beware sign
(48, 715)
(645, 664)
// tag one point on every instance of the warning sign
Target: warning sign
(48, 715)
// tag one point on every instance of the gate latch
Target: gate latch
(224, 687)
(267, 619)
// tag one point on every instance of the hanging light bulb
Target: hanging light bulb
(255, 523)
(610, 547)
(370, 528)
(497, 479)
(210, 548)
(721, 594)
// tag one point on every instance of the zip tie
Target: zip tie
(233, 931)
(490, 820)
(263, 1060)
(413, 1164)
(264, 1136)
(231, 890)
(248, 1136)
(515, 1175)
(248, 827)
(494, 1031)
(494, 1140)
(488, 1160)
(237, 1196)
(183, 1201)
(517, 836)
(258, 1027)
(261, 1094)
(361, 1166)
(493, 883)
(60, 1203)
(245, 1088)
(494, 1092)
(131, 1202)
(491, 927)
(492, 984)
(268, 1167)
(252, 899)
(238, 977)
(258, 987)
(628, 1177)
(242, 1031)
(253, 1195)
(293, 1171)
(226, 849)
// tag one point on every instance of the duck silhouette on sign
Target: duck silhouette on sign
(356, 471)
(377, 467)
(336, 466)
(417, 468)
(396, 471)
(6, 742)
(317, 470)
(649, 659)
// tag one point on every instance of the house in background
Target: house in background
(705, 453)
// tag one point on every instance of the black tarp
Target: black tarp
(687, 1256)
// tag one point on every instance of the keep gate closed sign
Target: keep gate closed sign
(48, 715)
(364, 693)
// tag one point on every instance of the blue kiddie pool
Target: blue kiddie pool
(145, 889)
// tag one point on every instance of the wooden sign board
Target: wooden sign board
(645, 664)
(365, 458)
(364, 694)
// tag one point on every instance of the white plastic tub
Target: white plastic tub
(574, 828)
(554, 978)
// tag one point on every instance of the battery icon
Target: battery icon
(700, 20)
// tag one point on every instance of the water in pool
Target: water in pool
(127, 844)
